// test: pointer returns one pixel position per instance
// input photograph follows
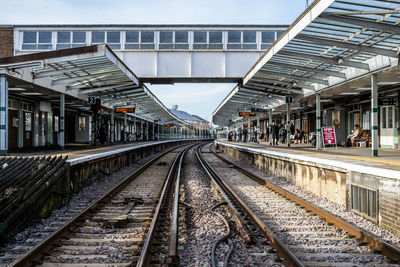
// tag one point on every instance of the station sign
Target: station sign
(92, 100)
(387, 101)
(329, 135)
(247, 125)
(289, 99)
(247, 114)
(168, 125)
(125, 110)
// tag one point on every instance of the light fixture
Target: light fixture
(32, 93)
(349, 93)
(16, 89)
(387, 83)
(294, 84)
(340, 60)
(363, 89)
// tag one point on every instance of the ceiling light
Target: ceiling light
(363, 89)
(340, 60)
(16, 89)
(294, 84)
(387, 83)
(31, 93)
(349, 93)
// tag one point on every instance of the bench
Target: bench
(364, 140)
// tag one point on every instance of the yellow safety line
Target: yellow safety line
(88, 150)
(390, 162)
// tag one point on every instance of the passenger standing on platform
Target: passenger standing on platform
(240, 135)
(255, 135)
(235, 137)
(244, 135)
(275, 134)
(103, 133)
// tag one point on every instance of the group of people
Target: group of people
(278, 134)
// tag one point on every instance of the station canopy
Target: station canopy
(329, 47)
(87, 71)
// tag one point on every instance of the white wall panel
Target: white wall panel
(239, 63)
(208, 64)
(143, 64)
(173, 64)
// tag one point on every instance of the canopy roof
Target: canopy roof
(90, 71)
(332, 42)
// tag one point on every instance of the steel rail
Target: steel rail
(281, 248)
(168, 181)
(375, 243)
(35, 253)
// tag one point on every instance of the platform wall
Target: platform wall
(333, 182)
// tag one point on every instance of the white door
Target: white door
(387, 127)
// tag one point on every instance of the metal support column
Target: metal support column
(318, 122)
(270, 126)
(288, 124)
(3, 112)
(125, 127)
(141, 131)
(134, 129)
(258, 130)
(62, 116)
(153, 136)
(112, 128)
(374, 114)
(147, 131)
(20, 135)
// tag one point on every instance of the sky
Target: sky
(199, 99)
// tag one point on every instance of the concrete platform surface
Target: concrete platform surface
(349, 158)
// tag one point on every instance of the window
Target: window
(36, 40)
(200, 40)
(181, 40)
(70, 39)
(384, 117)
(166, 40)
(147, 40)
(132, 40)
(249, 40)
(98, 37)
(215, 39)
(234, 40)
(267, 38)
(364, 201)
(114, 40)
(366, 120)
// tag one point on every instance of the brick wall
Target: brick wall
(6, 42)
(389, 206)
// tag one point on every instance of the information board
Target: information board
(328, 135)
(246, 114)
(125, 110)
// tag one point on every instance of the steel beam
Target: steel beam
(62, 117)
(295, 77)
(318, 120)
(308, 69)
(352, 46)
(328, 60)
(3, 113)
(94, 90)
(50, 73)
(374, 114)
(268, 79)
(363, 23)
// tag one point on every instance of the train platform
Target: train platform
(350, 158)
(78, 153)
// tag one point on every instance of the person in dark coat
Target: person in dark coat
(275, 134)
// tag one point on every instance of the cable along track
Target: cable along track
(302, 234)
(113, 230)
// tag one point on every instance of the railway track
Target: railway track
(302, 234)
(123, 227)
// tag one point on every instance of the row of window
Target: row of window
(42, 40)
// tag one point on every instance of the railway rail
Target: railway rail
(120, 228)
(302, 234)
